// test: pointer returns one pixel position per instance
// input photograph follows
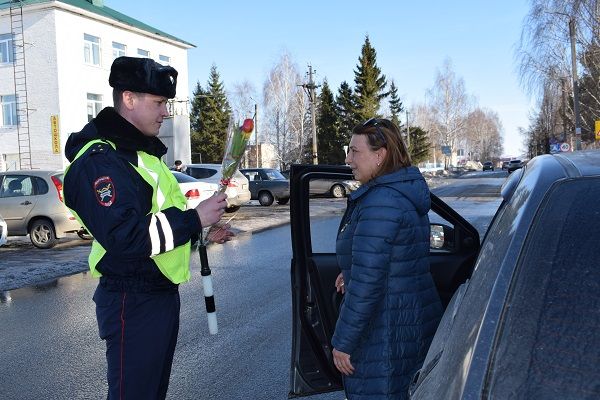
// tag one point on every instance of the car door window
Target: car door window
(16, 186)
(553, 303)
(41, 187)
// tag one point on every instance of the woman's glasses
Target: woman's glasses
(375, 122)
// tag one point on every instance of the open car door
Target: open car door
(315, 302)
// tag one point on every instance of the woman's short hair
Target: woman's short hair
(384, 133)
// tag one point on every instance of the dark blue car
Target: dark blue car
(522, 311)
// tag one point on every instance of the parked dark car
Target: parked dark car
(330, 187)
(504, 165)
(522, 315)
(267, 185)
(488, 165)
(514, 165)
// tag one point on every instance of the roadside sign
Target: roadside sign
(55, 134)
(597, 129)
(565, 147)
(446, 150)
(554, 148)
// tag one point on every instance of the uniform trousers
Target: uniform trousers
(140, 330)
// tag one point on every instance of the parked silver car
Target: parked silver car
(238, 191)
(31, 203)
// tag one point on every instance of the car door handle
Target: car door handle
(26, 203)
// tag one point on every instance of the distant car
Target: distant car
(471, 165)
(31, 203)
(330, 187)
(267, 185)
(505, 165)
(488, 165)
(514, 165)
(238, 191)
(3, 231)
(521, 308)
(193, 189)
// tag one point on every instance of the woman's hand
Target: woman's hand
(220, 234)
(339, 284)
(342, 362)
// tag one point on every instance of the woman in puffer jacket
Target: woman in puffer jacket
(391, 307)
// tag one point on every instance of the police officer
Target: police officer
(126, 197)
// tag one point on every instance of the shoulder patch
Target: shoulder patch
(98, 148)
(105, 191)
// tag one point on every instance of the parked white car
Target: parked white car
(238, 190)
(3, 231)
(193, 189)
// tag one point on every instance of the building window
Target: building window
(91, 49)
(6, 48)
(94, 105)
(143, 53)
(119, 50)
(166, 60)
(9, 110)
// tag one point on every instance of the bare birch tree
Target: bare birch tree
(483, 135)
(448, 105)
(242, 99)
(284, 110)
(544, 56)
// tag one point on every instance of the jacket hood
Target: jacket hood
(407, 181)
(110, 125)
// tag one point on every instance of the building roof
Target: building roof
(99, 9)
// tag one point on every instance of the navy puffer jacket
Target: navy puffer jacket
(391, 307)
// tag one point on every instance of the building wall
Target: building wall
(58, 79)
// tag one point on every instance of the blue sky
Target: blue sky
(245, 40)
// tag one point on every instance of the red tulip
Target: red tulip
(248, 125)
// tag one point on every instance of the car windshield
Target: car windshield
(552, 303)
(183, 178)
(201, 172)
(59, 177)
(274, 174)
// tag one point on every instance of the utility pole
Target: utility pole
(312, 97)
(575, 85)
(256, 133)
(407, 132)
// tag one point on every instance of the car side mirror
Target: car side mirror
(441, 237)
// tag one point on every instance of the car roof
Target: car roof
(34, 172)
(204, 165)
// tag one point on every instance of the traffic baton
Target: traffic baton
(209, 298)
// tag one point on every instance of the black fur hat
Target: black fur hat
(143, 75)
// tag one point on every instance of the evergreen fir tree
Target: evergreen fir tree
(328, 139)
(420, 146)
(396, 106)
(198, 103)
(209, 119)
(370, 83)
(346, 112)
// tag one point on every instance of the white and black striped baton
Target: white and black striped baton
(209, 298)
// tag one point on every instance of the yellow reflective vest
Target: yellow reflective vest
(174, 262)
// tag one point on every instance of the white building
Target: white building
(67, 49)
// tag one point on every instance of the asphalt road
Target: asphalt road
(50, 346)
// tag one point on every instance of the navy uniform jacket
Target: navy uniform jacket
(119, 219)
